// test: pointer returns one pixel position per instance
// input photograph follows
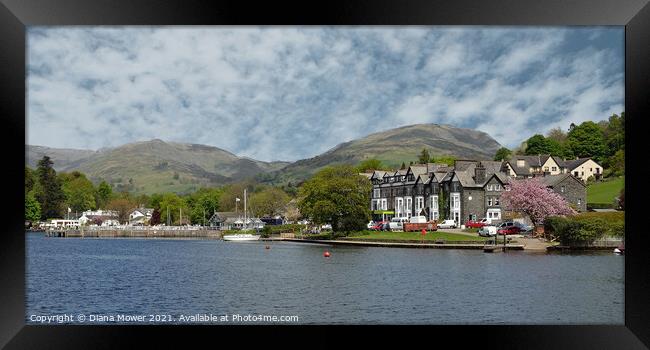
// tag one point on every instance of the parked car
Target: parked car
(370, 225)
(478, 223)
(508, 228)
(385, 226)
(326, 227)
(523, 228)
(447, 224)
(397, 224)
(487, 231)
(379, 226)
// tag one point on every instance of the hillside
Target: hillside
(157, 166)
(154, 166)
(395, 146)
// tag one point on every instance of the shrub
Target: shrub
(266, 232)
(586, 227)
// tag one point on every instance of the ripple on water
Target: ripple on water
(356, 285)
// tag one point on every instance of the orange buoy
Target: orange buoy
(326, 254)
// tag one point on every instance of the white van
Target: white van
(397, 224)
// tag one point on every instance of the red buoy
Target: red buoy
(424, 232)
(326, 254)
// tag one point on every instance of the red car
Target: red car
(477, 224)
(510, 230)
(378, 226)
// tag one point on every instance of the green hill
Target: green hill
(393, 147)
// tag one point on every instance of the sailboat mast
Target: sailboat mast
(244, 207)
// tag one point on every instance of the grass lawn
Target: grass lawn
(414, 236)
(605, 191)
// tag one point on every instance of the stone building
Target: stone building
(570, 187)
(468, 190)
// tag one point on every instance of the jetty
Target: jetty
(136, 231)
(400, 244)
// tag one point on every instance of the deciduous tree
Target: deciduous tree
(534, 199)
(337, 195)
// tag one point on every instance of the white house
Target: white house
(107, 217)
(582, 168)
(140, 216)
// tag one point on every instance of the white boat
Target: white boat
(241, 237)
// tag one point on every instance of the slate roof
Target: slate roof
(572, 163)
(554, 180)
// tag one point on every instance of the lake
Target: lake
(356, 285)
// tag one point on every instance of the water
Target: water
(356, 285)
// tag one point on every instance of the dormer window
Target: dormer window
(520, 163)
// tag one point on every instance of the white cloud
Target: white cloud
(284, 93)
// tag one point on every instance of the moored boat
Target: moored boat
(620, 250)
(241, 237)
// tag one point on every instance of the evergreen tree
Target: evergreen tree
(403, 166)
(104, 193)
(424, 156)
(51, 196)
(32, 208)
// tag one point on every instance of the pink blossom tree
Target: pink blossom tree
(534, 199)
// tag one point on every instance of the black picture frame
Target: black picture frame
(15, 15)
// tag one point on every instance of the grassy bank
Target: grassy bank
(414, 236)
(605, 191)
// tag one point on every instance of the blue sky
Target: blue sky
(286, 93)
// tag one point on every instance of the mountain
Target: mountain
(157, 166)
(395, 146)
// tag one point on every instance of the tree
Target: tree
(291, 212)
(104, 193)
(123, 207)
(32, 208)
(30, 179)
(50, 196)
(587, 140)
(155, 217)
(538, 144)
(337, 195)
(203, 203)
(233, 191)
(176, 205)
(371, 164)
(502, 154)
(79, 191)
(557, 135)
(269, 202)
(403, 166)
(424, 157)
(534, 199)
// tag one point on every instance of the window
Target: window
(545, 168)
(520, 163)
(496, 200)
(497, 187)
(554, 168)
(376, 193)
(489, 187)
(579, 201)
(562, 189)
(490, 201)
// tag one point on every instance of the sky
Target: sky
(288, 93)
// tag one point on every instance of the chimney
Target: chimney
(479, 173)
